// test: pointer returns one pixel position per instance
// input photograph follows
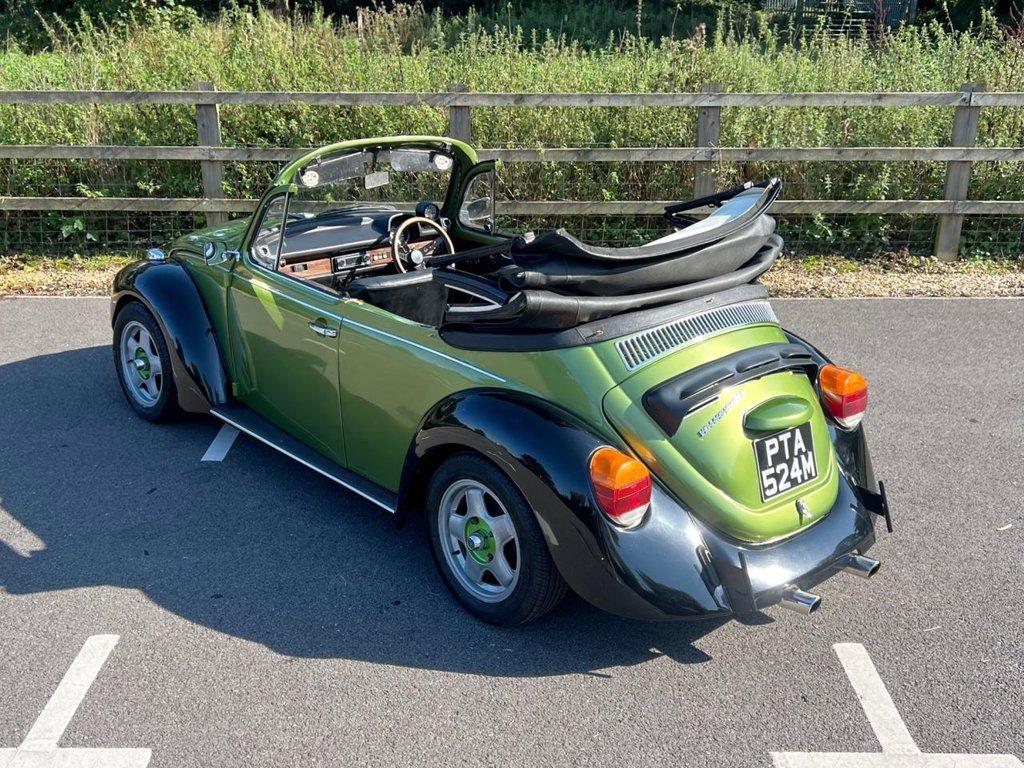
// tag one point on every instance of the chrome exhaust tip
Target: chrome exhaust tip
(858, 565)
(800, 602)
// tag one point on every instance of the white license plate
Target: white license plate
(785, 461)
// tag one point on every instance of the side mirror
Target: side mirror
(214, 252)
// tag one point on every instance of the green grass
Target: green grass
(73, 276)
(409, 49)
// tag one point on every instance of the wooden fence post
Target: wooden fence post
(208, 129)
(709, 124)
(958, 176)
(459, 126)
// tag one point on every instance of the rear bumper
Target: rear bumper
(754, 578)
(683, 569)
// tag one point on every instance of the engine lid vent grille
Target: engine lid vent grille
(646, 346)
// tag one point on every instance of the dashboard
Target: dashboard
(347, 241)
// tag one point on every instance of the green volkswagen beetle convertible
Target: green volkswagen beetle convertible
(630, 423)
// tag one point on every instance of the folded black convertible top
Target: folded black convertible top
(533, 310)
(555, 281)
(737, 209)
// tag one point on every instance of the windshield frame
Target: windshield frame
(463, 154)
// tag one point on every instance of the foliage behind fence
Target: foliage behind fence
(411, 51)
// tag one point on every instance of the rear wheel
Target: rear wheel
(487, 544)
(143, 364)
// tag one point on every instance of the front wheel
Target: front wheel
(487, 544)
(144, 364)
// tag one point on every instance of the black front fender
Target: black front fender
(167, 290)
(658, 570)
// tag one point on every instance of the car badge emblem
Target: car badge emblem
(733, 401)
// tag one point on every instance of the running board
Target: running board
(251, 423)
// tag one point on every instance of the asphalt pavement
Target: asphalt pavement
(267, 617)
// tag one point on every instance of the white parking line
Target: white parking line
(221, 444)
(885, 719)
(61, 707)
(898, 747)
(40, 745)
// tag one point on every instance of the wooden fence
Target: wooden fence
(965, 105)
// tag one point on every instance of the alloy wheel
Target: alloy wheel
(479, 541)
(141, 366)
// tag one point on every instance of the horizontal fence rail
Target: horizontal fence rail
(530, 207)
(553, 155)
(466, 99)
(965, 106)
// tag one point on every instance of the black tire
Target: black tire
(165, 405)
(539, 587)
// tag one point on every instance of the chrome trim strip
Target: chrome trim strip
(288, 297)
(647, 346)
(491, 304)
(343, 321)
(410, 343)
(383, 505)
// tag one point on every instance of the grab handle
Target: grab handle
(777, 414)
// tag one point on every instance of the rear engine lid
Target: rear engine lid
(739, 437)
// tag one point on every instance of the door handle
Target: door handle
(323, 330)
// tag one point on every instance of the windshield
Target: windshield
(377, 178)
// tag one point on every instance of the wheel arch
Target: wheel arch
(167, 291)
(545, 452)
(510, 429)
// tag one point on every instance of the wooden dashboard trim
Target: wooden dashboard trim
(310, 266)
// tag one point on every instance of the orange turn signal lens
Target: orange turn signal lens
(622, 486)
(844, 394)
(841, 382)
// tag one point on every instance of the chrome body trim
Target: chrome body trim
(408, 342)
(242, 428)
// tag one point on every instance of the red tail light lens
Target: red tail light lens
(622, 486)
(844, 394)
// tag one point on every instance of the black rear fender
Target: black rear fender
(168, 292)
(655, 571)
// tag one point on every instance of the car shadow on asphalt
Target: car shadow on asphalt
(256, 546)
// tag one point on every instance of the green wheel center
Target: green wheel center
(142, 363)
(480, 540)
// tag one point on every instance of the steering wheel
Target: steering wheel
(416, 258)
